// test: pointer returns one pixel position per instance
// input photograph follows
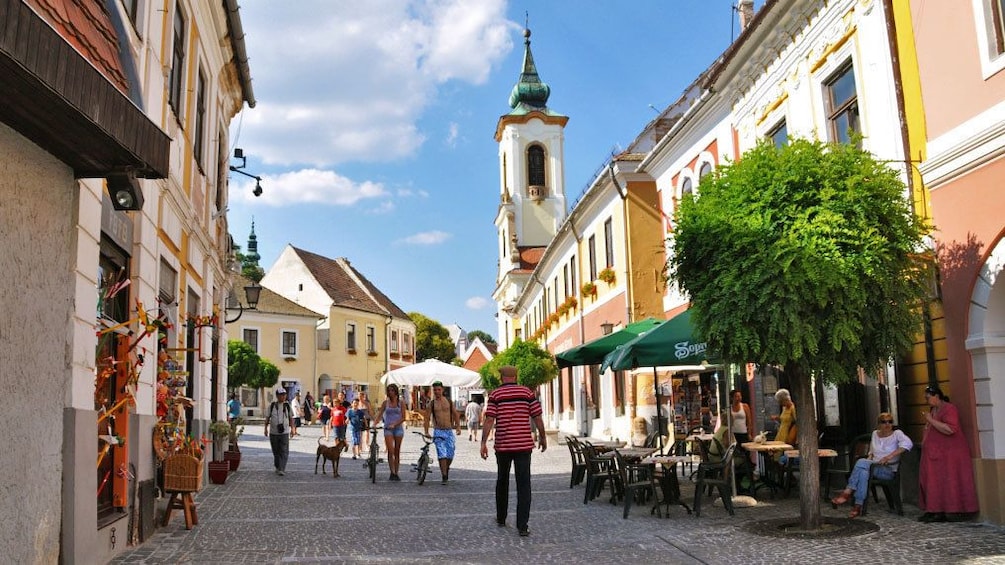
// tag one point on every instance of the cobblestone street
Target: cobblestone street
(259, 517)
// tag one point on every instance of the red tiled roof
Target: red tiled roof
(346, 286)
(87, 26)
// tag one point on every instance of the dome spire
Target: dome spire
(529, 89)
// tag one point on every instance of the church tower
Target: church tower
(531, 186)
(252, 256)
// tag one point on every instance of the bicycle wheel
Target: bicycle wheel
(422, 468)
(372, 462)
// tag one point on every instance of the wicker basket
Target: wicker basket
(182, 473)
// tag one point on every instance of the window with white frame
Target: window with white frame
(609, 242)
(371, 339)
(989, 16)
(841, 100)
(394, 341)
(289, 338)
(592, 248)
(406, 343)
(350, 336)
(198, 141)
(535, 166)
(705, 170)
(686, 187)
(323, 338)
(250, 336)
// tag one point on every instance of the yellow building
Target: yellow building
(282, 332)
(363, 333)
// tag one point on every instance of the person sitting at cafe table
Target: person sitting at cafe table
(885, 449)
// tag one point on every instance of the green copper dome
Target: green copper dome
(529, 90)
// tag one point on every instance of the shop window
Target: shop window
(595, 398)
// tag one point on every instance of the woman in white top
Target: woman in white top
(741, 417)
(885, 450)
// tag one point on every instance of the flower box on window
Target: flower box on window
(589, 289)
(607, 275)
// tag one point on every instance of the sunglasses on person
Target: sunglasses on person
(886, 421)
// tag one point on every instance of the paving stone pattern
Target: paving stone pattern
(260, 517)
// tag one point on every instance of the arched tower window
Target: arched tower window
(535, 166)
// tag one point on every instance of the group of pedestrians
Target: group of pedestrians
(510, 410)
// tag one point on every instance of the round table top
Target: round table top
(766, 446)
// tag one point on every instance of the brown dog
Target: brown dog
(330, 453)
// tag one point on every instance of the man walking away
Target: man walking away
(473, 414)
(277, 428)
(510, 409)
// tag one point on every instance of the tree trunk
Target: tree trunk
(809, 463)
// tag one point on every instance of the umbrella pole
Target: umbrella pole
(659, 411)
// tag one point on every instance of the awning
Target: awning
(593, 352)
(671, 343)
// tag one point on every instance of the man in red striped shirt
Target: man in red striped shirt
(509, 410)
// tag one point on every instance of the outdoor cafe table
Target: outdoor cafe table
(605, 446)
(825, 456)
(630, 454)
(765, 450)
(668, 480)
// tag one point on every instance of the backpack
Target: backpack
(286, 410)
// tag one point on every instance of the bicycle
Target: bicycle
(372, 460)
(422, 467)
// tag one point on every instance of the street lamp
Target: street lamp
(606, 327)
(252, 293)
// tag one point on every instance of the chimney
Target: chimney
(746, 10)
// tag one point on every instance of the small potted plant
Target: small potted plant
(589, 289)
(219, 467)
(233, 453)
(607, 275)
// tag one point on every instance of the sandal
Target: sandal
(840, 499)
(856, 511)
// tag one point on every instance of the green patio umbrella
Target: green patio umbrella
(592, 353)
(671, 343)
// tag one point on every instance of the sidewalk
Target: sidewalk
(259, 517)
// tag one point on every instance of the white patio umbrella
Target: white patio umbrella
(431, 370)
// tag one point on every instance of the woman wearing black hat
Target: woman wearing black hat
(946, 478)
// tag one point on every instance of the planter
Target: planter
(218, 471)
(233, 458)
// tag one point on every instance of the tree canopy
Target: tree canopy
(804, 256)
(484, 336)
(246, 368)
(243, 367)
(535, 366)
(432, 340)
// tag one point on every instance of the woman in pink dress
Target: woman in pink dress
(947, 473)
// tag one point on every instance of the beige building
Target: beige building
(363, 333)
(114, 150)
(282, 332)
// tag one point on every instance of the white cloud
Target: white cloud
(348, 81)
(476, 302)
(385, 207)
(307, 186)
(434, 237)
(452, 134)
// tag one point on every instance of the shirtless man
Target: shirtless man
(441, 410)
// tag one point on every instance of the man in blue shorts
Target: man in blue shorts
(446, 424)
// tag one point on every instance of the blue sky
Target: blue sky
(375, 119)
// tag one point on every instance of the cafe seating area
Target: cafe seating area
(699, 469)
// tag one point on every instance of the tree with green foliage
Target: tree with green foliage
(243, 368)
(484, 336)
(269, 374)
(804, 257)
(432, 340)
(535, 366)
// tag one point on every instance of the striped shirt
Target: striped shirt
(512, 406)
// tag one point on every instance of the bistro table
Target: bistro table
(605, 446)
(630, 454)
(825, 456)
(765, 450)
(669, 485)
